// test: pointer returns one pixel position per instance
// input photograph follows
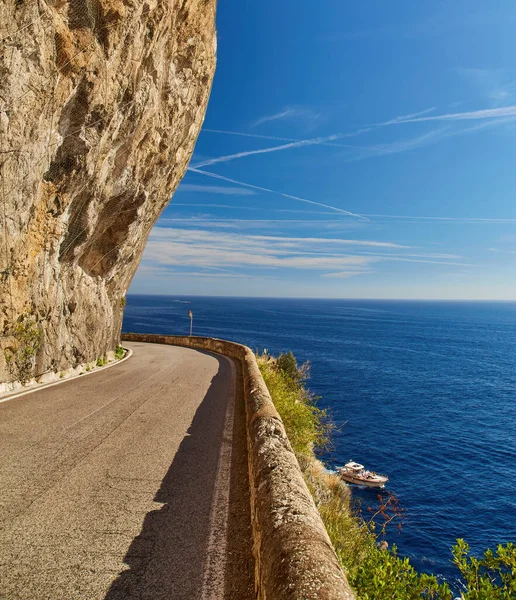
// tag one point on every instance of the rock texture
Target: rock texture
(101, 102)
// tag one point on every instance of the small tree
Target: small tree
(288, 364)
(491, 577)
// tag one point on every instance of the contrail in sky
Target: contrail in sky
(411, 116)
(284, 139)
(250, 135)
(487, 113)
(263, 189)
(292, 144)
(297, 144)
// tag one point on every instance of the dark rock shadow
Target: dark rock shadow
(167, 558)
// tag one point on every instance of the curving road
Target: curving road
(130, 483)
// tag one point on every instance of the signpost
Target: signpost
(190, 314)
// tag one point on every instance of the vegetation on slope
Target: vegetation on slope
(373, 570)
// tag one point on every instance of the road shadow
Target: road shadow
(239, 580)
(166, 560)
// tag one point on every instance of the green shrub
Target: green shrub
(492, 577)
(307, 426)
(21, 357)
(119, 352)
(373, 570)
(288, 365)
(101, 361)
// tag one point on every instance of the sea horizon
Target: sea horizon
(423, 391)
(487, 300)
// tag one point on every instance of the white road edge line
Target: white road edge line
(44, 386)
(216, 549)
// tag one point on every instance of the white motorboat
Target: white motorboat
(356, 473)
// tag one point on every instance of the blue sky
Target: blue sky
(350, 149)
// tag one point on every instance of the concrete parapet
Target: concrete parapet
(294, 558)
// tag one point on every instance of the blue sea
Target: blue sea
(424, 392)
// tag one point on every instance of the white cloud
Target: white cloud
(204, 249)
(501, 251)
(210, 205)
(252, 208)
(215, 189)
(335, 226)
(305, 241)
(444, 219)
(441, 256)
(427, 262)
(160, 270)
(345, 274)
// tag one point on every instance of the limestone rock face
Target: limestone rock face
(101, 102)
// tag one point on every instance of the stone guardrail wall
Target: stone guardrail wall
(294, 558)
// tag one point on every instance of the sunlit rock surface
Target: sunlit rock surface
(101, 102)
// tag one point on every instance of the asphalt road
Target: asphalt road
(128, 483)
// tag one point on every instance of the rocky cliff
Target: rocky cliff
(101, 102)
